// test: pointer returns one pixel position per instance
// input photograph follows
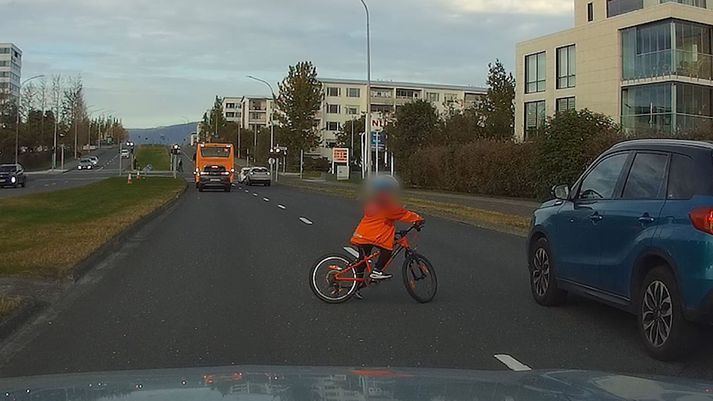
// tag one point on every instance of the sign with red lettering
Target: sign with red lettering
(340, 155)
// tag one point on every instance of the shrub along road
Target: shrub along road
(221, 279)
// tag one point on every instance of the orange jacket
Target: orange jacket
(377, 225)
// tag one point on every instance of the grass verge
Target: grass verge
(155, 155)
(8, 304)
(479, 217)
(47, 234)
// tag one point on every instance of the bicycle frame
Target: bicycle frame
(401, 245)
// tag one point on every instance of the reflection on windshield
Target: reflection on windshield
(215, 152)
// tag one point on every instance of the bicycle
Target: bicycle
(335, 278)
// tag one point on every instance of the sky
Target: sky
(162, 62)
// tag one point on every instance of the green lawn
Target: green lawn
(155, 155)
(47, 234)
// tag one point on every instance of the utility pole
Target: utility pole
(367, 124)
(272, 114)
(17, 115)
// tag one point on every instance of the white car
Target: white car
(125, 153)
(243, 175)
(93, 159)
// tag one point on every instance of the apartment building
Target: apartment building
(345, 100)
(252, 112)
(10, 70)
(646, 63)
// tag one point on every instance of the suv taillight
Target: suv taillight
(702, 219)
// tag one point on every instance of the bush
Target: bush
(488, 167)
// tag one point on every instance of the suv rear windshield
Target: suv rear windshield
(259, 170)
(214, 169)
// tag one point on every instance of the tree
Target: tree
(569, 142)
(74, 110)
(498, 107)
(416, 126)
(299, 101)
(352, 129)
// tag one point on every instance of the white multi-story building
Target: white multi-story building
(10, 70)
(346, 100)
(646, 63)
(251, 112)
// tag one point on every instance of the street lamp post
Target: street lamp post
(17, 119)
(367, 123)
(272, 120)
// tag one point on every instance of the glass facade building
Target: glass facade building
(667, 107)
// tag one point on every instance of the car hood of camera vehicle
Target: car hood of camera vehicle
(347, 384)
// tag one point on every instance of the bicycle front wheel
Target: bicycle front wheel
(332, 280)
(420, 278)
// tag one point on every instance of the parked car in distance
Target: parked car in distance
(85, 164)
(243, 175)
(12, 175)
(258, 175)
(634, 231)
(125, 153)
(93, 159)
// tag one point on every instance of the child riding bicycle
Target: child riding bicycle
(376, 228)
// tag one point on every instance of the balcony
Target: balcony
(668, 63)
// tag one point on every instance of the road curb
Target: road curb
(115, 243)
(17, 318)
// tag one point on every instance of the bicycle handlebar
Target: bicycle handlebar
(415, 226)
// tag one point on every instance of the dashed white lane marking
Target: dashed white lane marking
(351, 251)
(247, 192)
(306, 221)
(254, 194)
(266, 199)
(282, 207)
(512, 363)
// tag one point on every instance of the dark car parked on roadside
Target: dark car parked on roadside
(12, 175)
(635, 231)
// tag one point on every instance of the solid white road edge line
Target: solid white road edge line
(282, 207)
(512, 363)
(352, 251)
(306, 221)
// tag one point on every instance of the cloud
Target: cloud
(546, 7)
(157, 62)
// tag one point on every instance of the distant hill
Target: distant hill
(162, 135)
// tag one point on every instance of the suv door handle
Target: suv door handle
(646, 219)
(596, 217)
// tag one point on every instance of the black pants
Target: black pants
(384, 256)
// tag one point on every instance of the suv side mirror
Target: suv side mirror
(561, 192)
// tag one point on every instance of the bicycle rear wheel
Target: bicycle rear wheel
(322, 279)
(420, 278)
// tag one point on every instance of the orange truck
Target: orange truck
(215, 166)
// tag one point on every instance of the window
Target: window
(230, 114)
(332, 126)
(4, 50)
(4, 63)
(565, 103)
(333, 109)
(646, 177)
(230, 105)
(381, 108)
(618, 7)
(256, 116)
(353, 92)
(407, 93)
(601, 182)
(450, 97)
(682, 178)
(334, 92)
(647, 107)
(352, 110)
(433, 96)
(534, 117)
(535, 73)
(696, 3)
(590, 12)
(566, 67)
(382, 93)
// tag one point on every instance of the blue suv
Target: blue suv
(635, 231)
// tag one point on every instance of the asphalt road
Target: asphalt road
(221, 279)
(46, 182)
